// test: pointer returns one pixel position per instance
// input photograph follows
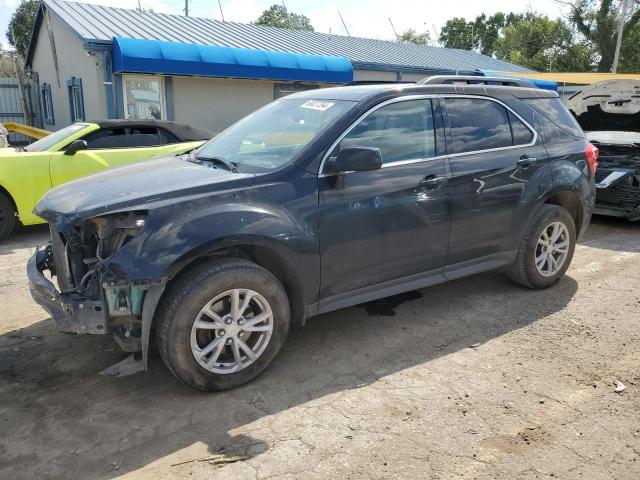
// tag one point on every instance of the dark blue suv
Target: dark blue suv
(318, 201)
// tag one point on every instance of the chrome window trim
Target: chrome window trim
(406, 98)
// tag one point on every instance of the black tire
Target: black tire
(523, 270)
(181, 304)
(7, 217)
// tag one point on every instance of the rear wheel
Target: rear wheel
(7, 217)
(546, 249)
(221, 324)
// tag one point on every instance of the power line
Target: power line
(344, 24)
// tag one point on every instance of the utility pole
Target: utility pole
(186, 8)
(344, 24)
(616, 56)
(393, 28)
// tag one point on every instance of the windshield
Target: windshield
(270, 137)
(50, 140)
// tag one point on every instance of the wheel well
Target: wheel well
(570, 202)
(3, 191)
(268, 259)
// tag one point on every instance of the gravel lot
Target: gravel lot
(477, 378)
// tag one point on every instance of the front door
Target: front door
(389, 224)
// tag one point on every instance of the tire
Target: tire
(7, 217)
(524, 270)
(178, 339)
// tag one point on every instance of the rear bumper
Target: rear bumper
(72, 313)
(617, 211)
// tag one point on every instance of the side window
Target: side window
(165, 138)
(402, 131)
(142, 137)
(478, 124)
(521, 133)
(107, 138)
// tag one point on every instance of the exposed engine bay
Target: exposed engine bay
(101, 304)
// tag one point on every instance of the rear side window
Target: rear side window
(142, 137)
(401, 130)
(478, 124)
(165, 137)
(554, 110)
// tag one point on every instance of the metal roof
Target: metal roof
(99, 24)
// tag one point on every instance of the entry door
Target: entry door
(494, 156)
(387, 224)
(108, 148)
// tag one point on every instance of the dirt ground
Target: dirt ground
(477, 378)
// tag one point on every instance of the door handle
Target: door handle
(432, 182)
(526, 161)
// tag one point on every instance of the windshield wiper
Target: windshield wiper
(232, 167)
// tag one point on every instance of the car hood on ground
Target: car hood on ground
(135, 186)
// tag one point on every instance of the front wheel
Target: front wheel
(546, 249)
(7, 217)
(222, 323)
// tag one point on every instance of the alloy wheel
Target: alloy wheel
(552, 249)
(231, 331)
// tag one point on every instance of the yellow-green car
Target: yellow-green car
(78, 150)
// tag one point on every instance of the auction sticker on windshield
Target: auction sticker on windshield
(317, 105)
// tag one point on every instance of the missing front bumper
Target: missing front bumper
(72, 313)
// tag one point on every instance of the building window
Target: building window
(283, 89)
(47, 104)
(143, 97)
(76, 100)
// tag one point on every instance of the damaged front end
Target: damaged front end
(91, 297)
(618, 174)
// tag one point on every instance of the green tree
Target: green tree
(21, 25)
(540, 43)
(597, 21)
(278, 16)
(457, 33)
(411, 36)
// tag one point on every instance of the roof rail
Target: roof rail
(475, 80)
(375, 82)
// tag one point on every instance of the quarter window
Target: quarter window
(401, 130)
(478, 124)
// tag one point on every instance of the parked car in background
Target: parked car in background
(78, 150)
(609, 112)
(318, 201)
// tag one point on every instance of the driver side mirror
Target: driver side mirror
(355, 159)
(76, 146)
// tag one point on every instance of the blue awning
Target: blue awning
(131, 55)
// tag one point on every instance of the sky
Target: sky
(364, 18)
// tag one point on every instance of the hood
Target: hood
(614, 137)
(134, 187)
(608, 105)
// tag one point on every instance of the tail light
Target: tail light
(591, 152)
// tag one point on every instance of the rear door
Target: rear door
(108, 148)
(493, 155)
(387, 224)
